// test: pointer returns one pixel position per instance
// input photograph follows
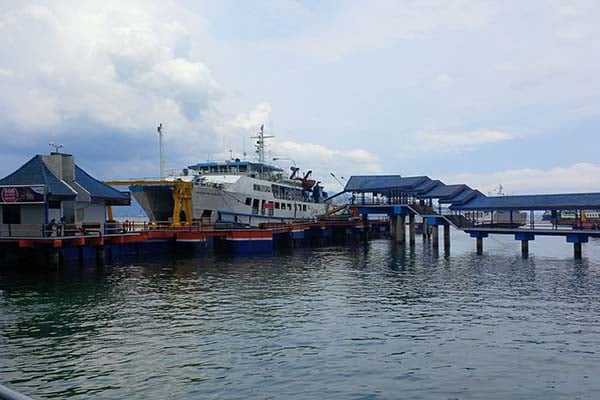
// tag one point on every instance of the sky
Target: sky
(476, 92)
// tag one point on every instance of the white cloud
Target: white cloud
(116, 65)
(253, 119)
(323, 160)
(460, 141)
(581, 177)
(380, 24)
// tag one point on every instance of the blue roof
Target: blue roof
(462, 197)
(99, 190)
(268, 167)
(35, 172)
(367, 183)
(426, 186)
(444, 191)
(570, 201)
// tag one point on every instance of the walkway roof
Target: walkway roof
(369, 183)
(570, 201)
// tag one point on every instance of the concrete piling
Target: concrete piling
(411, 229)
(435, 236)
(577, 250)
(446, 238)
(525, 248)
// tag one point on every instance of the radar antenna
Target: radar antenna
(260, 143)
(159, 128)
(56, 146)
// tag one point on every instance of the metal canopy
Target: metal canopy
(570, 201)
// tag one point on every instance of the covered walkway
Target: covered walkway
(576, 216)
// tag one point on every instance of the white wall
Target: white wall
(33, 214)
(90, 212)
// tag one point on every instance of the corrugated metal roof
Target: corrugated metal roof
(99, 190)
(426, 186)
(462, 197)
(35, 172)
(577, 201)
(444, 191)
(366, 183)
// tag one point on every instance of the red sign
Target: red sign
(9, 195)
(269, 204)
(22, 194)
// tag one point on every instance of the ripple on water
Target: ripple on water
(374, 321)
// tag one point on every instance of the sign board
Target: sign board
(22, 194)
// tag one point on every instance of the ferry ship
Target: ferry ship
(238, 191)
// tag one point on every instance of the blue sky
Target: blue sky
(486, 93)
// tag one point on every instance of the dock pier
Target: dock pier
(470, 211)
(102, 248)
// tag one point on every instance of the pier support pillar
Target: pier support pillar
(524, 248)
(435, 236)
(577, 250)
(524, 237)
(446, 238)
(425, 228)
(399, 228)
(577, 240)
(479, 242)
(100, 256)
(411, 229)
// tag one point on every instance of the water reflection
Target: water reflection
(352, 321)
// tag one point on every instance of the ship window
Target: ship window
(248, 201)
(213, 169)
(303, 207)
(289, 206)
(243, 168)
(277, 205)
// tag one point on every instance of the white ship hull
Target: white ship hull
(232, 198)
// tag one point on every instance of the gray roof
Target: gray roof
(35, 172)
(574, 201)
(100, 191)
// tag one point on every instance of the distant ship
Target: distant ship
(243, 192)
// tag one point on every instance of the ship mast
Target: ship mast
(260, 143)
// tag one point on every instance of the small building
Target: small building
(51, 187)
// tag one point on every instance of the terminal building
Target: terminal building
(53, 187)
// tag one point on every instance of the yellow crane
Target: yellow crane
(182, 197)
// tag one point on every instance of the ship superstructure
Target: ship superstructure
(241, 191)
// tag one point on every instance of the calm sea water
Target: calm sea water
(374, 321)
